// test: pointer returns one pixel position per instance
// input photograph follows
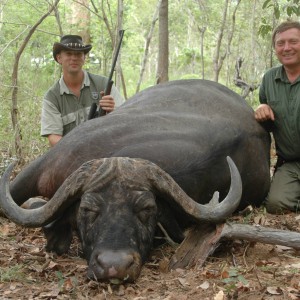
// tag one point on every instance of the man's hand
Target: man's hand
(107, 103)
(264, 113)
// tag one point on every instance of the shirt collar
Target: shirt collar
(281, 75)
(65, 89)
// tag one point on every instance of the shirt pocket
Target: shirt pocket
(279, 113)
(277, 107)
(69, 123)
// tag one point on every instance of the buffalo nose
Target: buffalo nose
(116, 264)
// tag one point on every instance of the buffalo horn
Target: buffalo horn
(136, 174)
(213, 211)
(68, 193)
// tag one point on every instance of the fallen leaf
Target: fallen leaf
(273, 290)
(68, 284)
(52, 265)
(204, 285)
(220, 296)
(296, 266)
(49, 295)
(34, 250)
(263, 263)
(295, 282)
(4, 230)
(281, 248)
(109, 289)
(164, 265)
(225, 274)
(259, 220)
(180, 271)
(293, 294)
(182, 281)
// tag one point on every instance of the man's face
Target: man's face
(71, 61)
(287, 47)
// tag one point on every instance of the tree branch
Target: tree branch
(14, 110)
(203, 239)
(261, 234)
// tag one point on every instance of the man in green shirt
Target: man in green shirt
(67, 103)
(279, 96)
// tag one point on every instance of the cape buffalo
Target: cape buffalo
(158, 158)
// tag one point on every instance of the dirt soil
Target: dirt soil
(236, 270)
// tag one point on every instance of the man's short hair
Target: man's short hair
(284, 26)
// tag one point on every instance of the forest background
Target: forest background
(228, 41)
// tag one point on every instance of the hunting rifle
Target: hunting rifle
(94, 112)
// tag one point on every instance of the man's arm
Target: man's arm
(263, 112)
(53, 139)
(51, 122)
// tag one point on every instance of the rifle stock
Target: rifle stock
(92, 111)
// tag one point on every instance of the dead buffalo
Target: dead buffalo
(158, 158)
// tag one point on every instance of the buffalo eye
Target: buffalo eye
(145, 206)
(90, 208)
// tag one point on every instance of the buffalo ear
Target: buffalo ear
(168, 225)
(59, 235)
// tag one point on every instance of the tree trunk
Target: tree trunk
(202, 32)
(271, 45)
(147, 44)
(230, 37)
(113, 30)
(107, 24)
(119, 74)
(58, 21)
(163, 52)
(253, 38)
(1, 13)
(217, 60)
(79, 19)
(14, 110)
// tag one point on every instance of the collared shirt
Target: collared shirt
(62, 110)
(284, 99)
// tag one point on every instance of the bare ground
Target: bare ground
(237, 269)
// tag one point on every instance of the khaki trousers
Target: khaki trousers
(284, 194)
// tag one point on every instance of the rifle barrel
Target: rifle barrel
(94, 112)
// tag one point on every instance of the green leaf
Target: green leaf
(276, 12)
(296, 10)
(233, 273)
(264, 30)
(266, 4)
(242, 280)
(289, 10)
